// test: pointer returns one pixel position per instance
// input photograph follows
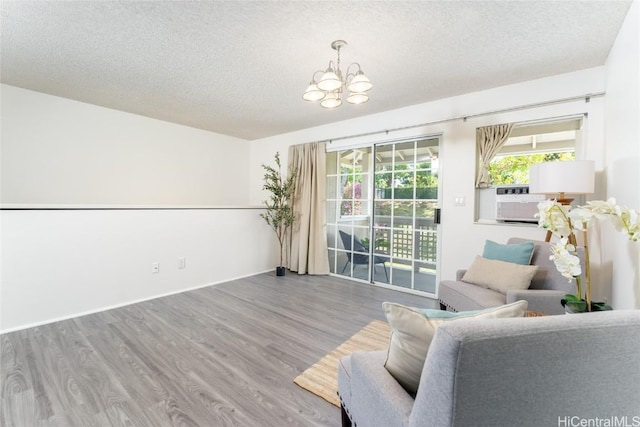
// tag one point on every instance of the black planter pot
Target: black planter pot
(280, 271)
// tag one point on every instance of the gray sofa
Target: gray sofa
(533, 371)
(547, 287)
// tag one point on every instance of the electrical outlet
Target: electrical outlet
(155, 267)
(182, 262)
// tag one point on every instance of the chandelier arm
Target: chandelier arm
(313, 77)
(352, 74)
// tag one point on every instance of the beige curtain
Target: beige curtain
(308, 251)
(489, 140)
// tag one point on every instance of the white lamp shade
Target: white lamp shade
(329, 81)
(331, 100)
(575, 177)
(313, 93)
(357, 98)
(360, 83)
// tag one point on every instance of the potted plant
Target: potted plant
(279, 206)
(380, 243)
(563, 221)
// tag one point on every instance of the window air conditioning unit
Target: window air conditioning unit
(515, 204)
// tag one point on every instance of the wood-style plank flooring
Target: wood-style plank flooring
(224, 355)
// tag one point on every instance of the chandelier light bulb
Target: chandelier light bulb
(329, 81)
(357, 98)
(329, 87)
(331, 100)
(359, 83)
(313, 93)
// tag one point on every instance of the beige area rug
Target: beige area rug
(321, 378)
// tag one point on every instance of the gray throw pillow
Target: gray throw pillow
(413, 329)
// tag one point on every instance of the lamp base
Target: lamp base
(563, 201)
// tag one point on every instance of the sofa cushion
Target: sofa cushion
(519, 253)
(413, 329)
(461, 296)
(548, 277)
(499, 275)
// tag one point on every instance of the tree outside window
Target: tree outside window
(514, 169)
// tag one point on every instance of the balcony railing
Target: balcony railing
(405, 240)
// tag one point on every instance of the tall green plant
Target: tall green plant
(279, 206)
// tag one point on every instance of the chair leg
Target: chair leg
(385, 271)
(345, 267)
(346, 421)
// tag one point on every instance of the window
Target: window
(535, 143)
(528, 143)
(349, 171)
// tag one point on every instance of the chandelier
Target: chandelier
(331, 85)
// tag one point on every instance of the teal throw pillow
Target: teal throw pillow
(436, 313)
(519, 253)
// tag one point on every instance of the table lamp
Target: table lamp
(562, 177)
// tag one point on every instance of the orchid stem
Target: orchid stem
(587, 267)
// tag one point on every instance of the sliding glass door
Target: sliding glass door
(405, 212)
(382, 209)
(349, 202)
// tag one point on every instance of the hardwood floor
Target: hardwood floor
(225, 355)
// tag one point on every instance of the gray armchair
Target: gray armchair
(528, 371)
(547, 287)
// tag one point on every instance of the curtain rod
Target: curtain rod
(587, 98)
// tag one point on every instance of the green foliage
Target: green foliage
(505, 170)
(404, 209)
(279, 206)
(577, 305)
(379, 243)
(400, 193)
(404, 177)
(574, 303)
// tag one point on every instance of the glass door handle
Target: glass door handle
(436, 215)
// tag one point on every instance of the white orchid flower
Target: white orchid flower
(554, 216)
(565, 260)
(562, 220)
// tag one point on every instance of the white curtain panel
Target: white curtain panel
(308, 251)
(489, 140)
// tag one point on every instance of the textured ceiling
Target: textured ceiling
(239, 67)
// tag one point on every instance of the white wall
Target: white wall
(462, 239)
(59, 151)
(59, 264)
(62, 263)
(622, 156)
